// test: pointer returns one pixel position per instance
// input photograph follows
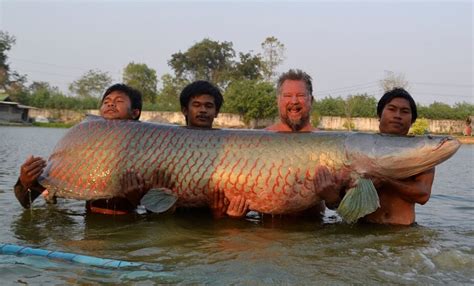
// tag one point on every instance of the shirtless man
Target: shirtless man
(295, 100)
(200, 103)
(119, 102)
(397, 111)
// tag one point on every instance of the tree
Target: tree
(273, 55)
(143, 78)
(206, 60)
(10, 81)
(361, 105)
(330, 106)
(393, 80)
(168, 97)
(250, 67)
(92, 84)
(251, 99)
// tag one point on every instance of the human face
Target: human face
(396, 117)
(117, 105)
(201, 111)
(294, 104)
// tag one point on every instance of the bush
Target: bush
(420, 127)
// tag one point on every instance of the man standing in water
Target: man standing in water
(397, 112)
(295, 100)
(119, 102)
(200, 103)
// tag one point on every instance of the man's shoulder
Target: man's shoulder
(278, 127)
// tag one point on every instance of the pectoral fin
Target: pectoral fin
(359, 201)
(158, 200)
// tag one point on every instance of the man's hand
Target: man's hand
(30, 171)
(238, 207)
(161, 180)
(133, 187)
(218, 203)
(326, 186)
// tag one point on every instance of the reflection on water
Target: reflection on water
(190, 247)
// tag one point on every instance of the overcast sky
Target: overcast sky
(347, 47)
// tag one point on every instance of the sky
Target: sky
(347, 47)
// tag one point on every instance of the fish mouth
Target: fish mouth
(443, 141)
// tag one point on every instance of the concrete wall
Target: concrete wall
(372, 124)
(228, 120)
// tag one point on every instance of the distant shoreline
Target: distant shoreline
(465, 139)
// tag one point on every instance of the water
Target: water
(192, 248)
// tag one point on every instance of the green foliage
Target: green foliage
(438, 110)
(54, 124)
(361, 105)
(92, 84)
(10, 81)
(168, 97)
(143, 78)
(348, 124)
(251, 99)
(420, 127)
(315, 117)
(42, 95)
(206, 60)
(216, 62)
(250, 67)
(330, 106)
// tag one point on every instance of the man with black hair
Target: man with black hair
(200, 103)
(121, 102)
(397, 112)
(118, 102)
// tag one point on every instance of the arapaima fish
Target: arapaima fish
(272, 170)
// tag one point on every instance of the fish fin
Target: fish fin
(158, 200)
(359, 201)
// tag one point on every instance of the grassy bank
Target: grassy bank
(54, 124)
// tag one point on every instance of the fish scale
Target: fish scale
(273, 171)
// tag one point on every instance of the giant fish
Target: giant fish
(273, 170)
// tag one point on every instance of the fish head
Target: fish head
(398, 157)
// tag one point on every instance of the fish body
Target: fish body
(272, 170)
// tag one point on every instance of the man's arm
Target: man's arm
(26, 196)
(416, 189)
(27, 188)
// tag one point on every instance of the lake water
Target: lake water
(192, 248)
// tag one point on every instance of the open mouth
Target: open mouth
(294, 109)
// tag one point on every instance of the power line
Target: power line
(348, 87)
(50, 73)
(54, 65)
(444, 84)
(47, 64)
